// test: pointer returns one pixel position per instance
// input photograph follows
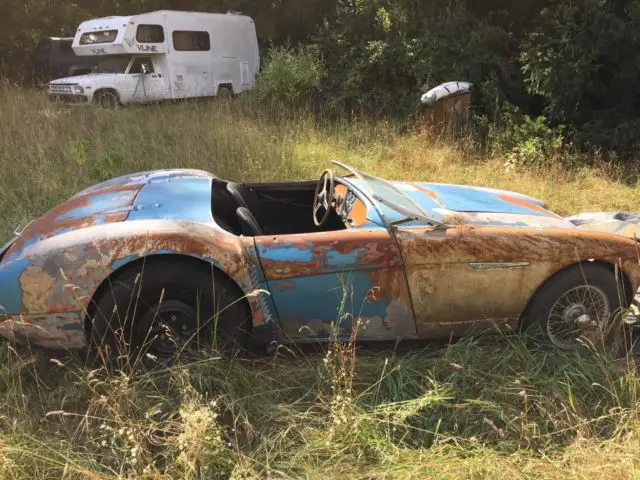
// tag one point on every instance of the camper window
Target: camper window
(105, 36)
(150, 34)
(136, 66)
(191, 41)
(113, 64)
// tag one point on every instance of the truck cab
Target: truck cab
(115, 80)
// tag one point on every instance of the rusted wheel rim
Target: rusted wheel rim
(173, 328)
(577, 309)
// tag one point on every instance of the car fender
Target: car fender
(62, 274)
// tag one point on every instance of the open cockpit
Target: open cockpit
(268, 208)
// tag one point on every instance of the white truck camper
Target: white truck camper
(162, 55)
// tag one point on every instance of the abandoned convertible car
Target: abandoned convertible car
(171, 258)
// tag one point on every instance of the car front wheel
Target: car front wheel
(578, 306)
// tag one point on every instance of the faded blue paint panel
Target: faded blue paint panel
(10, 290)
(469, 199)
(287, 252)
(313, 303)
(290, 259)
(178, 199)
(459, 198)
(145, 177)
(26, 244)
(98, 204)
(331, 260)
(336, 261)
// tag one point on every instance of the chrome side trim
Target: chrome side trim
(488, 265)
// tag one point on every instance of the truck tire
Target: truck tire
(107, 99)
(224, 93)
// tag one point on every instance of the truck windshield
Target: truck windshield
(113, 64)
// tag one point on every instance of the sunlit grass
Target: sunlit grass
(499, 407)
(49, 152)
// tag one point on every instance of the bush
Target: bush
(523, 140)
(290, 78)
(581, 59)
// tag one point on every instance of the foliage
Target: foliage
(381, 55)
(291, 78)
(526, 141)
(582, 59)
(573, 61)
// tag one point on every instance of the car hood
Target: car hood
(81, 79)
(117, 200)
(448, 203)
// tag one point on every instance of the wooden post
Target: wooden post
(449, 116)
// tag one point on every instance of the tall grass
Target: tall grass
(48, 152)
(499, 407)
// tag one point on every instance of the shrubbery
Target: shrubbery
(290, 77)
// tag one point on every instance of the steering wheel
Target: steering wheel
(323, 197)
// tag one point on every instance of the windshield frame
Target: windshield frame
(416, 213)
(96, 69)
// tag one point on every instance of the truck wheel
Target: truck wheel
(108, 99)
(580, 303)
(169, 309)
(225, 93)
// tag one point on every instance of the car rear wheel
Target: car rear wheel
(168, 309)
(580, 305)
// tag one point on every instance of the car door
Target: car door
(465, 279)
(338, 278)
(150, 85)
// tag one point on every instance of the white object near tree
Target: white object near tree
(162, 55)
(444, 90)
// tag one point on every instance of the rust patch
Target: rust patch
(446, 291)
(36, 286)
(327, 252)
(50, 331)
(284, 285)
(524, 203)
(76, 213)
(429, 192)
(64, 277)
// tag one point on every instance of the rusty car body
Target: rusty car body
(396, 260)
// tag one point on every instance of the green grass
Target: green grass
(481, 408)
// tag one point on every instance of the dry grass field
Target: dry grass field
(493, 407)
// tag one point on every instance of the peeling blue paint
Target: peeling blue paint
(302, 302)
(98, 204)
(11, 293)
(287, 252)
